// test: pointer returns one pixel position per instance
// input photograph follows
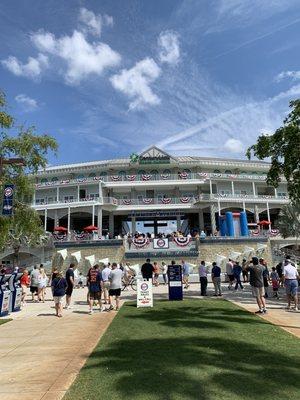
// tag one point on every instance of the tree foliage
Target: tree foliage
(289, 221)
(24, 227)
(283, 148)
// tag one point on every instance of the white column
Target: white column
(210, 187)
(244, 206)
(69, 219)
(275, 192)
(201, 220)
(232, 187)
(46, 216)
(268, 213)
(133, 225)
(33, 199)
(93, 215)
(219, 207)
(253, 189)
(100, 191)
(78, 192)
(57, 194)
(213, 218)
(111, 224)
(256, 213)
(99, 221)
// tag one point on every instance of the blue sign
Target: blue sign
(175, 282)
(8, 197)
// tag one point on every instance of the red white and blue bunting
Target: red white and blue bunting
(183, 175)
(165, 176)
(165, 200)
(146, 177)
(131, 177)
(182, 241)
(115, 178)
(185, 200)
(147, 201)
(126, 202)
(140, 243)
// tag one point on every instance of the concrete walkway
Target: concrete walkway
(40, 354)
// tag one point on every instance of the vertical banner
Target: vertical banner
(8, 195)
(175, 282)
(144, 294)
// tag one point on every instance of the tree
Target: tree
(289, 221)
(24, 226)
(283, 147)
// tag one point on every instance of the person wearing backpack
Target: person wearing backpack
(59, 286)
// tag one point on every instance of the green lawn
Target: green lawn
(3, 321)
(194, 349)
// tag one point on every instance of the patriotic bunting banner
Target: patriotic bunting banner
(140, 243)
(182, 241)
(185, 200)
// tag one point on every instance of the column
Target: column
(111, 226)
(256, 213)
(201, 220)
(213, 219)
(275, 192)
(178, 219)
(268, 213)
(99, 221)
(244, 206)
(69, 219)
(219, 207)
(253, 189)
(33, 198)
(78, 192)
(93, 214)
(133, 225)
(100, 191)
(46, 216)
(232, 187)
(57, 194)
(56, 220)
(210, 187)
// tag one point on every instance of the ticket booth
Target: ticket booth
(16, 292)
(4, 295)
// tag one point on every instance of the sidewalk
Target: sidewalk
(41, 354)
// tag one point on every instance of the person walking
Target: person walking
(147, 270)
(34, 281)
(164, 271)
(291, 277)
(244, 270)
(237, 270)
(24, 282)
(115, 278)
(216, 278)
(155, 273)
(105, 277)
(280, 273)
(185, 273)
(43, 281)
(203, 271)
(266, 276)
(257, 284)
(95, 286)
(59, 286)
(70, 281)
(229, 268)
(274, 278)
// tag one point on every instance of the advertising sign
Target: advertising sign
(161, 243)
(144, 294)
(8, 196)
(5, 302)
(175, 282)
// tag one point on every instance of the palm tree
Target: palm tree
(289, 221)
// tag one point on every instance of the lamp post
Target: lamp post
(10, 161)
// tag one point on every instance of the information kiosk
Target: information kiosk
(16, 292)
(175, 282)
(4, 295)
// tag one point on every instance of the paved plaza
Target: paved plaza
(42, 354)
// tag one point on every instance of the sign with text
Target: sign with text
(144, 294)
(8, 195)
(175, 282)
(161, 243)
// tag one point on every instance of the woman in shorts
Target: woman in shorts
(59, 286)
(24, 282)
(43, 280)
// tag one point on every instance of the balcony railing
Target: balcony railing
(181, 176)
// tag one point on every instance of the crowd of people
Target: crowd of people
(105, 283)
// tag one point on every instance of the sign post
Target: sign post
(144, 294)
(8, 195)
(175, 282)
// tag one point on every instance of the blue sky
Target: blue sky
(108, 78)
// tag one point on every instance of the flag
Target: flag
(8, 196)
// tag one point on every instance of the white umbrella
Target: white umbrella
(63, 253)
(234, 255)
(77, 255)
(220, 260)
(91, 259)
(260, 248)
(104, 261)
(248, 252)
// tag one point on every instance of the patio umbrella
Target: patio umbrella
(264, 222)
(90, 228)
(60, 229)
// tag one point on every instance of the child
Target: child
(274, 277)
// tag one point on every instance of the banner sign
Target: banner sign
(8, 196)
(144, 294)
(161, 243)
(175, 282)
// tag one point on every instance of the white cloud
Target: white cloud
(295, 75)
(32, 69)
(169, 51)
(27, 103)
(135, 83)
(234, 146)
(82, 58)
(94, 23)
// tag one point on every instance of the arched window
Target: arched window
(103, 174)
(122, 175)
(217, 171)
(44, 180)
(92, 175)
(228, 171)
(141, 172)
(80, 178)
(54, 179)
(154, 174)
(245, 173)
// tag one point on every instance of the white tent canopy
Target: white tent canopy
(63, 253)
(77, 255)
(91, 259)
(248, 252)
(235, 256)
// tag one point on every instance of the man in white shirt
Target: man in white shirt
(229, 268)
(115, 277)
(105, 276)
(203, 271)
(291, 275)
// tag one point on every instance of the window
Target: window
(54, 179)
(44, 180)
(103, 174)
(154, 174)
(122, 175)
(217, 171)
(92, 175)
(224, 192)
(228, 171)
